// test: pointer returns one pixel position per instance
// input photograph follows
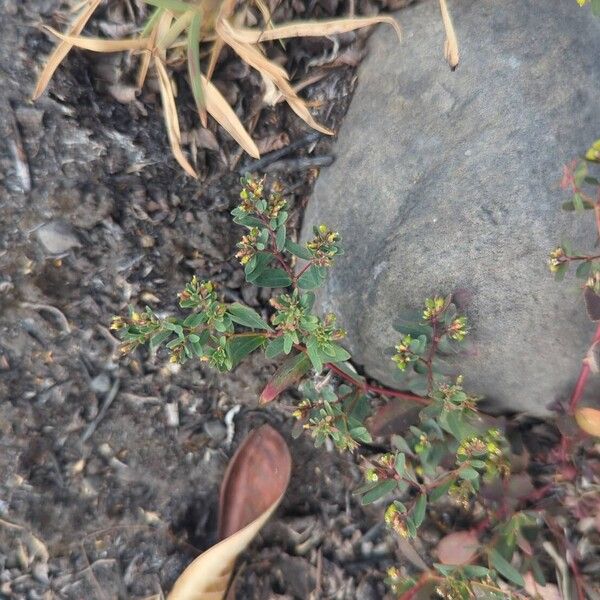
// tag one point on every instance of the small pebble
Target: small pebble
(172, 414)
(147, 241)
(40, 572)
(215, 430)
(101, 383)
(57, 237)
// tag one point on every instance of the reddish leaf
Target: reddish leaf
(458, 548)
(396, 416)
(288, 373)
(592, 303)
(257, 475)
(254, 484)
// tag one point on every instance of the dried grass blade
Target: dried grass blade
(100, 44)
(195, 74)
(171, 119)
(250, 54)
(274, 72)
(147, 53)
(224, 115)
(167, 40)
(451, 42)
(151, 22)
(311, 29)
(62, 49)
(215, 52)
(164, 24)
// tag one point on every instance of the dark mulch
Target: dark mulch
(109, 468)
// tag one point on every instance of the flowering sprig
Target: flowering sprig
(420, 351)
(333, 407)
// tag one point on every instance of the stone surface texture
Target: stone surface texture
(448, 181)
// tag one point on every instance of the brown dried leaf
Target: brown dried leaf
(273, 142)
(254, 484)
(63, 48)
(458, 548)
(588, 420)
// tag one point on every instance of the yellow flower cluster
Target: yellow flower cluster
(433, 308)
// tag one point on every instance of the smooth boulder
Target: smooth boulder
(448, 182)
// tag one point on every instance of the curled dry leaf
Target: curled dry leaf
(254, 484)
(588, 419)
(458, 548)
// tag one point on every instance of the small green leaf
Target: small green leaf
(312, 350)
(256, 265)
(174, 327)
(445, 569)
(194, 320)
(561, 271)
(505, 568)
(399, 442)
(313, 278)
(456, 425)
(239, 347)
(272, 278)
(476, 571)
(583, 270)
(577, 202)
(159, 338)
(361, 434)
(400, 463)
(280, 238)
(275, 347)
(419, 510)
(337, 354)
(298, 250)
(440, 490)
(378, 491)
(469, 474)
(244, 315)
(412, 528)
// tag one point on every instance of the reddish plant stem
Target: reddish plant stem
(376, 389)
(583, 377)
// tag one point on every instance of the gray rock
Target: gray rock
(57, 237)
(447, 181)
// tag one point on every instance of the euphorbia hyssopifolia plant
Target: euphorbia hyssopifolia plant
(448, 452)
